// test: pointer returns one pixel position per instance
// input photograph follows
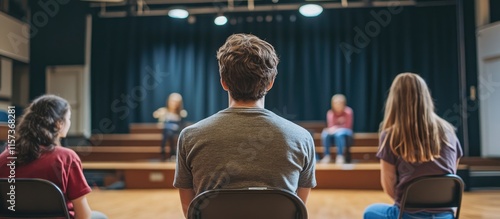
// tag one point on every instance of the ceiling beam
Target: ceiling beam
(283, 7)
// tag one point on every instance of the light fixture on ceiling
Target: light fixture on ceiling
(310, 10)
(220, 20)
(178, 13)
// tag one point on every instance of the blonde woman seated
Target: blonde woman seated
(414, 142)
(339, 130)
(170, 119)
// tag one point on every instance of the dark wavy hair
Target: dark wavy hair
(38, 129)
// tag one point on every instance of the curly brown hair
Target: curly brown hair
(38, 129)
(247, 64)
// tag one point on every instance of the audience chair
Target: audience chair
(250, 203)
(34, 198)
(4, 116)
(433, 192)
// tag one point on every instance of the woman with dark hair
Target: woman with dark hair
(39, 154)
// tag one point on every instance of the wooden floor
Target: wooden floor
(341, 204)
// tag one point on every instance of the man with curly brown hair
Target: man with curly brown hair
(245, 145)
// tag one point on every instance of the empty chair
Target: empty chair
(248, 203)
(34, 198)
(433, 192)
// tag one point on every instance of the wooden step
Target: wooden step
(150, 175)
(315, 127)
(128, 153)
(360, 139)
(118, 153)
(312, 126)
(126, 139)
(4, 131)
(145, 128)
(480, 161)
(151, 128)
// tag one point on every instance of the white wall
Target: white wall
(20, 85)
(6, 82)
(488, 51)
(14, 38)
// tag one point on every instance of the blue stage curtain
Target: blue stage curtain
(127, 52)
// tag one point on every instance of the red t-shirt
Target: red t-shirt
(61, 166)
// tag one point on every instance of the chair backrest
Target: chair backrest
(430, 192)
(32, 198)
(4, 116)
(249, 203)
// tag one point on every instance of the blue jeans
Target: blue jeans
(170, 133)
(386, 211)
(342, 138)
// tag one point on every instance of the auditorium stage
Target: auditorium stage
(151, 175)
(155, 174)
(134, 159)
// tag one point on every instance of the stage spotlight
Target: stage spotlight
(220, 20)
(310, 10)
(178, 13)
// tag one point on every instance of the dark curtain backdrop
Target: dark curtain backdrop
(138, 61)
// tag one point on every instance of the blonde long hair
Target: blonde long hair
(177, 109)
(415, 132)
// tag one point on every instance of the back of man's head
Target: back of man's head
(247, 65)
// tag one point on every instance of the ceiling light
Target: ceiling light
(310, 10)
(178, 13)
(220, 20)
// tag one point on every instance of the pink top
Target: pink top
(343, 120)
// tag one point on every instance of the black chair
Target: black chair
(251, 203)
(433, 192)
(34, 198)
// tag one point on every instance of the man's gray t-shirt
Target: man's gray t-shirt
(245, 147)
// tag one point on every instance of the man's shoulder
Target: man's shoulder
(203, 124)
(291, 128)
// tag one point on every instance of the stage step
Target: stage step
(359, 154)
(151, 175)
(484, 177)
(155, 174)
(313, 126)
(360, 139)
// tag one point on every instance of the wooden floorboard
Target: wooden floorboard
(322, 204)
